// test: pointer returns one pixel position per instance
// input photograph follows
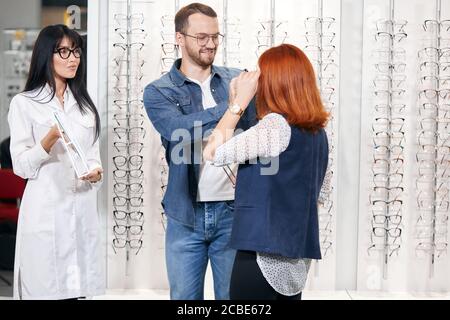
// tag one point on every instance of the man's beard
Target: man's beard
(199, 59)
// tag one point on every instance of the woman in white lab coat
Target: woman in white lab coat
(58, 253)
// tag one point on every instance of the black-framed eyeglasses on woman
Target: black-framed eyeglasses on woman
(65, 52)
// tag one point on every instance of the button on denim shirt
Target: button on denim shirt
(175, 108)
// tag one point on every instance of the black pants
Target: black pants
(248, 282)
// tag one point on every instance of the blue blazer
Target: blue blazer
(277, 213)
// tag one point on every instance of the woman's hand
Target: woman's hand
(50, 139)
(245, 86)
(94, 176)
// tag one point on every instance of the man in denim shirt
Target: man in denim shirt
(184, 106)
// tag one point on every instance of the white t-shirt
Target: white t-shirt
(214, 184)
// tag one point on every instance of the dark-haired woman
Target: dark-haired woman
(58, 252)
(276, 227)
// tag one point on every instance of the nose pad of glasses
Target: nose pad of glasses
(210, 44)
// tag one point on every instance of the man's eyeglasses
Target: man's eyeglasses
(203, 38)
(65, 52)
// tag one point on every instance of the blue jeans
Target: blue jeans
(189, 249)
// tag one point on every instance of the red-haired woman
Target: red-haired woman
(283, 160)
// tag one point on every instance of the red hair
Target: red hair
(288, 86)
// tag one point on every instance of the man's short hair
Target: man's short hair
(182, 16)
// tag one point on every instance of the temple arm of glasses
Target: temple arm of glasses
(230, 175)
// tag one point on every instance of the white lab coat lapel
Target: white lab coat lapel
(45, 95)
(70, 101)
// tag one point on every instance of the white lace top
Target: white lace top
(269, 138)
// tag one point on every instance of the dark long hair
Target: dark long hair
(42, 69)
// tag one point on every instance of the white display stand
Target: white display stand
(402, 272)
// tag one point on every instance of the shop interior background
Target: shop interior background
(346, 47)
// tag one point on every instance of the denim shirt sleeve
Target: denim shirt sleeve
(167, 118)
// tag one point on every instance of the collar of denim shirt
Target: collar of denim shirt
(179, 78)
